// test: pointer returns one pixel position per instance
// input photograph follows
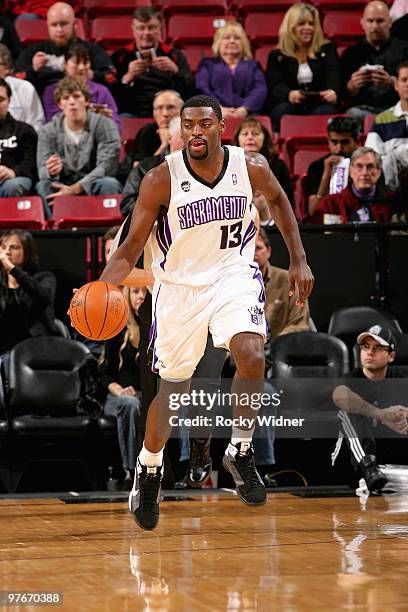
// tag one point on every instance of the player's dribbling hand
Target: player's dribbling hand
(300, 276)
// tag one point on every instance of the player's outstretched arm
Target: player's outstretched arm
(263, 180)
(153, 195)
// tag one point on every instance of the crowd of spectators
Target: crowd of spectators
(79, 127)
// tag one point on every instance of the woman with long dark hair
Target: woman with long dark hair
(253, 136)
(27, 294)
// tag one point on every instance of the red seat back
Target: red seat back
(263, 28)
(25, 212)
(262, 54)
(87, 211)
(130, 128)
(195, 54)
(243, 7)
(112, 32)
(96, 8)
(194, 29)
(343, 28)
(34, 30)
(171, 7)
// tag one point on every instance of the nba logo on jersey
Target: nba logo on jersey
(234, 179)
(185, 185)
(256, 315)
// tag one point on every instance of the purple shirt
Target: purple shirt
(245, 86)
(99, 95)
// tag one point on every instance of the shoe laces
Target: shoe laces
(246, 467)
(149, 489)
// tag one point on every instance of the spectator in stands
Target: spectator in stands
(232, 76)
(26, 294)
(253, 136)
(363, 199)
(77, 64)
(369, 67)
(153, 138)
(303, 71)
(34, 9)
(282, 313)
(120, 375)
(43, 63)
(148, 65)
(25, 105)
(18, 142)
(108, 239)
(342, 138)
(132, 185)
(389, 133)
(367, 395)
(9, 38)
(78, 150)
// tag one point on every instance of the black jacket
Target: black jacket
(27, 311)
(390, 54)
(129, 372)
(23, 68)
(282, 70)
(137, 97)
(8, 36)
(18, 145)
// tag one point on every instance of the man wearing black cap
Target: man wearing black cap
(363, 401)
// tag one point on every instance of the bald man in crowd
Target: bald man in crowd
(42, 63)
(369, 67)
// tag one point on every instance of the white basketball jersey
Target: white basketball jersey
(208, 230)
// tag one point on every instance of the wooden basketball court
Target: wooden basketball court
(210, 553)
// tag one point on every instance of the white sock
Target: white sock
(241, 435)
(151, 459)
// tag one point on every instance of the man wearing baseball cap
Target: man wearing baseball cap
(368, 397)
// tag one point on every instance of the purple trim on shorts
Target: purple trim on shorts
(249, 234)
(153, 335)
(258, 276)
(161, 242)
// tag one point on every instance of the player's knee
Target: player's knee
(252, 364)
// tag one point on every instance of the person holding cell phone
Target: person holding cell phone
(147, 66)
(77, 64)
(303, 72)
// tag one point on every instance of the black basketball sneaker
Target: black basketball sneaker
(145, 496)
(239, 461)
(200, 462)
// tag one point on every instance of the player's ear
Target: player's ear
(222, 126)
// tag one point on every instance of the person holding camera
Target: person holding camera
(369, 67)
(147, 66)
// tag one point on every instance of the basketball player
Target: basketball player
(199, 200)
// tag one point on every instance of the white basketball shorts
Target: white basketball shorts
(182, 316)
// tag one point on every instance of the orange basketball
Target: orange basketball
(98, 310)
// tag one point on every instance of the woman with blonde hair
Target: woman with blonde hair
(232, 76)
(303, 71)
(120, 375)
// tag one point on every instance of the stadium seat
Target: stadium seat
(343, 28)
(46, 378)
(33, 30)
(195, 54)
(26, 212)
(263, 28)
(325, 6)
(171, 7)
(232, 124)
(194, 29)
(304, 367)
(301, 162)
(302, 131)
(130, 128)
(262, 54)
(112, 32)
(347, 323)
(86, 211)
(243, 7)
(96, 8)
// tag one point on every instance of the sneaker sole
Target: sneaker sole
(139, 524)
(246, 502)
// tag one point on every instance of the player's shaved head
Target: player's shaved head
(205, 102)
